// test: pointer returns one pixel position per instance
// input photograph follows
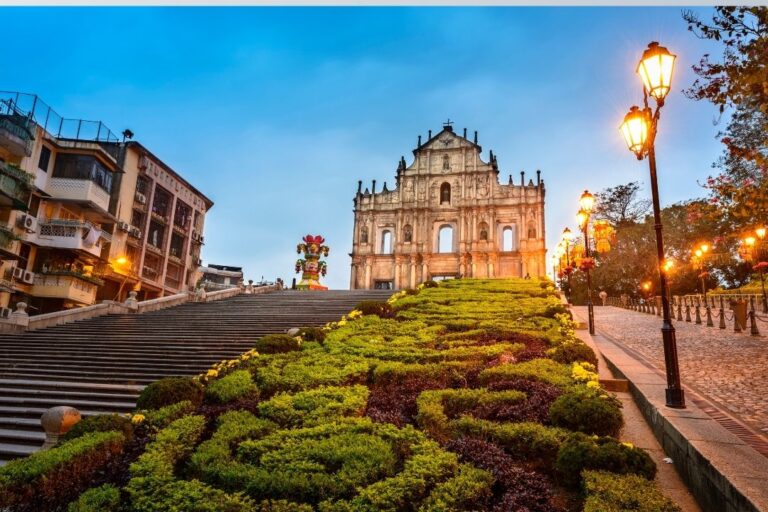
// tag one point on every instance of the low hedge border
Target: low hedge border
(59, 474)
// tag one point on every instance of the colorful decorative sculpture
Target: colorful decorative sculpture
(311, 266)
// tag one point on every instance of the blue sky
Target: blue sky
(275, 113)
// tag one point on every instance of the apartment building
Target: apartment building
(87, 216)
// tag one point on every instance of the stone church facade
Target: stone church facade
(448, 216)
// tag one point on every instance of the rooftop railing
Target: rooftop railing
(36, 110)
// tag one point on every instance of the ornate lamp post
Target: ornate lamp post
(639, 129)
(700, 253)
(587, 202)
(761, 265)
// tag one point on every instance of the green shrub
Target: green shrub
(544, 370)
(437, 407)
(277, 344)
(588, 411)
(608, 492)
(580, 452)
(429, 284)
(572, 352)
(312, 334)
(470, 489)
(298, 371)
(161, 418)
(374, 307)
(282, 506)
(105, 498)
(100, 423)
(525, 441)
(168, 391)
(308, 408)
(237, 384)
(58, 475)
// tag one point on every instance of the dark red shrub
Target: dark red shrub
(535, 407)
(515, 488)
(396, 402)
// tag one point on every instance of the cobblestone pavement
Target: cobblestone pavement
(730, 369)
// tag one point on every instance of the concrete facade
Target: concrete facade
(448, 216)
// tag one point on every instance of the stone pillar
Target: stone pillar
(412, 270)
(367, 284)
(20, 316)
(131, 302)
(56, 422)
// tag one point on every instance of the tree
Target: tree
(620, 205)
(737, 83)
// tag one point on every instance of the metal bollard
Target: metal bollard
(698, 313)
(687, 312)
(679, 311)
(722, 314)
(753, 324)
(710, 323)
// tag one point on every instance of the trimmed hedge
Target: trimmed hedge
(99, 499)
(168, 391)
(161, 418)
(580, 452)
(237, 384)
(309, 408)
(100, 423)
(58, 475)
(608, 492)
(374, 307)
(277, 344)
(587, 411)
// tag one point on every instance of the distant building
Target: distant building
(220, 277)
(448, 216)
(86, 216)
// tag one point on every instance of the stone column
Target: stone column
(367, 284)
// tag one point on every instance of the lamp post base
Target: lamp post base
(591, 314)
(675, 398)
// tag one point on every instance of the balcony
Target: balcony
(75, 235)
(14, 136)
(7, 238)
(15, 186)
(82, 191)
(66, 285)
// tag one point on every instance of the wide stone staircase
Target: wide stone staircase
(102, 364)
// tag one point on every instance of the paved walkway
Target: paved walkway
(727, 368)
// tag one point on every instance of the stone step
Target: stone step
(22, 436)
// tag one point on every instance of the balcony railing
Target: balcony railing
(71, 234)
(15, 184)
(14, 136)
(66, 285)
(85, 191)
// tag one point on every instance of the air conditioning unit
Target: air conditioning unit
(18, 273)
(27, 222)
(29, 277)
(140, 198)
(5, 312)
(135, 232)
(123, 226)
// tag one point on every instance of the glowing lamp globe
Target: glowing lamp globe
(635, 129)
(582, 217)
(655, 69)
(566, 234)
(760, 233)
(587, 201)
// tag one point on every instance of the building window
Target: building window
(142, 186)
(177, 245)
(137, 219)
(445, 193)
(183, 215)
(408, 233)
(483, 228)
(83, 167)
(446, 163)
(161, 204)
(508, 239)
(445, 239)
(45, 159)
(156, 234)
(364, 235)
(386, 242)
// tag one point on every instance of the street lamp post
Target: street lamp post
(639, 129)
(700, 254)
(587, 202)
(761, 231)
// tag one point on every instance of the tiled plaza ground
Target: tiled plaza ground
(725, 367)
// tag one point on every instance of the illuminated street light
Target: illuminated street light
(639, 128)
(587, 201)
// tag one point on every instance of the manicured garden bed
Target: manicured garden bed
(468, 396)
